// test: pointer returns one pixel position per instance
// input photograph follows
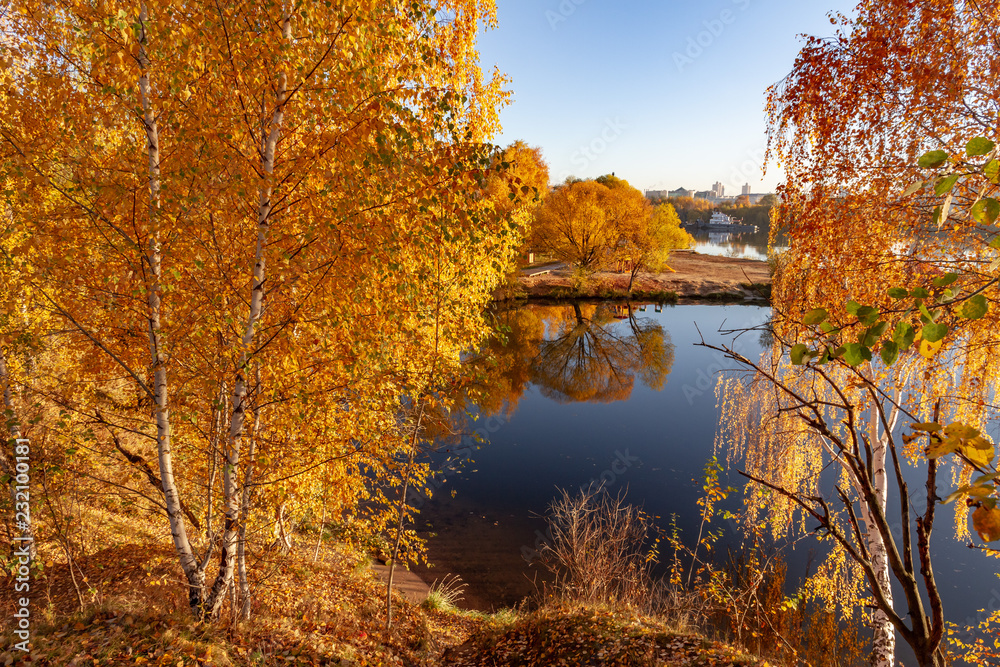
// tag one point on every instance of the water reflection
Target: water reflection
(569, 395)
(572, 404)
(747, 245)
(573, 353)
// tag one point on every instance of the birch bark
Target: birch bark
(884, 640)
(153, 260)
(239, 397)
(241, 562)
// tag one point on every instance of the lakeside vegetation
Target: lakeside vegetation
(247, 260)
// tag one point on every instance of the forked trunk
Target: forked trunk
(231, 495)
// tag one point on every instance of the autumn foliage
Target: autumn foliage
(884, 316)
(238, 241)
(606, 223)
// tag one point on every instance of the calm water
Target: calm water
(747, 245)
(581, 394)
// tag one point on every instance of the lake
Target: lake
(596, 392)
(746, 245)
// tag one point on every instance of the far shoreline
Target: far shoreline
(696, 278)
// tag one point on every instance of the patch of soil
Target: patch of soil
(695, 276)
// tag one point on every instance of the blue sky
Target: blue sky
(665, 94)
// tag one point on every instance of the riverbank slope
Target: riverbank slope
(317, 607)
(695, 277)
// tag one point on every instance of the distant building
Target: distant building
(717, 195)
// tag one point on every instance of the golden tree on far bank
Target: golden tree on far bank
(603, 223)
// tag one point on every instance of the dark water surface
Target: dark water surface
(597, 393)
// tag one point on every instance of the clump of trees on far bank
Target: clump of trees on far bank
(691, 210)
(607, 224)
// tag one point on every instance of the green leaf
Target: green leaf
(826, 328)
(992, 171)
(903, 335)
(945, 280)
(873, 333)
(920, 293)
(855, 354)
(852, 307)
(898, 293)
(978, 146)
(815, 316)
(934, 332)
(956, 494)
(944, 185)
(975, 308)
(932, 159)
(986, 210)
(912, 188)
(798, 351)
(867, 315)
(995, 243)
(890, 352)
(926, 315)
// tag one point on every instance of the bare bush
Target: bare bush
(598, 549)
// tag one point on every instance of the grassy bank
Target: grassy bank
(324, 612)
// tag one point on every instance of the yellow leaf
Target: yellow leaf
(928, 349)
(986, 521)
(979, 455)
(930, 427)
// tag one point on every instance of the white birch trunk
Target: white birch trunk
(171, 495)
(239, 397)
(884, 640)
(884, 633)
(241, 562)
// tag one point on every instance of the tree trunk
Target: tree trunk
(884, 640)
(241, 564)
(189, 564)
(231, 496)
(633, 272)
(401, 512)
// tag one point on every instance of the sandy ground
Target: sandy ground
(696, 277)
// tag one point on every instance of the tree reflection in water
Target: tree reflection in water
(573, 353)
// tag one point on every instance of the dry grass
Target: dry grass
(599, 549)
(323, 613)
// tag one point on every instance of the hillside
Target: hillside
(324, 612)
